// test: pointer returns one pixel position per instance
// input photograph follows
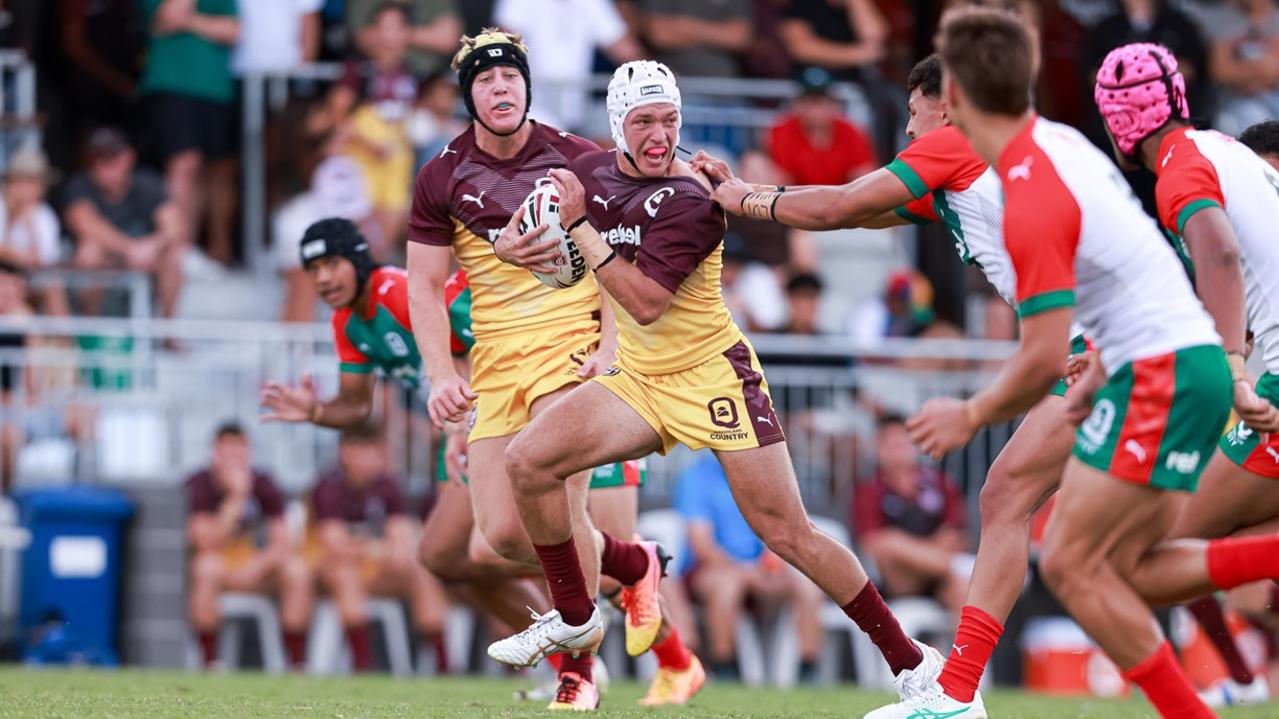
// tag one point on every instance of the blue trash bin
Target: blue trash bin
(71, 573)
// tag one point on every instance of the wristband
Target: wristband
(576, 223)
(761, 205)
(611, 255)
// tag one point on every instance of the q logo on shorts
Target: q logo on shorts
(723, 412)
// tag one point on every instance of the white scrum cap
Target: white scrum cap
(635, 84)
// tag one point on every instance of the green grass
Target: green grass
(53, 694)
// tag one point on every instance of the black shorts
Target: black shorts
(180, 123)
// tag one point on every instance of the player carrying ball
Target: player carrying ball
(532, 343)
(685, 374)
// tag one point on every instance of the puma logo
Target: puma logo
(959, 648)
(604, 202)
(477, 200)
(447, 150)
(1021, 171)
(1136, 450)
(385, 287)
(765, 420)
(1168, 157)
(1274, 454)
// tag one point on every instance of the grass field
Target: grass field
(54, 694)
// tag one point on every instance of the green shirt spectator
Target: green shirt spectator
(189, 51)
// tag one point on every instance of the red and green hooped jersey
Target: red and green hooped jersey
(457, 297)
(1198, 169)
(953, 185)
(383, 338)
(1079, 238)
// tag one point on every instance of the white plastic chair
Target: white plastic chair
(327, 652)
(236, 608)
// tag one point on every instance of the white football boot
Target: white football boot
(932, 705)
(549, 634)
(1230, 693)
(923, 678)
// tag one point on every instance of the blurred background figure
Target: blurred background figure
(728, 570)
(562, 54)
(369, 107)
(122, 218)
(277, 36)
(911, 522)
(240, 543)
(696, 38)
(365, 544)
(815, 144)
(845, 37)
(190, 93)
(434, 29)
(1243, 37)
(433, 120)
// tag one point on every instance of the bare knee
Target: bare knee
(789, 541)
(297, 572)
(207, 570)
(506, 536)
(1062, 569)
(522, 463)
(1004, 498)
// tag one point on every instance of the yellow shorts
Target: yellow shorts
(510, 373)
(238, 553)
(722, 403)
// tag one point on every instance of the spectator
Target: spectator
(121, 217)
(103, 42)
(373, 100)
(368, 545)
(911, 521)
(435, 29)
(770, 244)
(727, 565)
(841, 36)
(1145, 21)
(433, 120)
(1244, 60)
(904, 310)
(698, 38)
(32, 234)
(803, 300)
(277, 36)
(562, 54)
(240, 543)
(13, 305)
(337, 190)
(815, 144)
(188, 87)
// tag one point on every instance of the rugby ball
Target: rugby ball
(542, 206)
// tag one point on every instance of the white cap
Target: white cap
(635, 84)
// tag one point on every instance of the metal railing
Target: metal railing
(146, 414)
(732, 112)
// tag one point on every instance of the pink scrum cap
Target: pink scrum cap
(1138, 91)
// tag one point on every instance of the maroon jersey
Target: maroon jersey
(265, 502)
(674, 233)
(364, 511)
(465, 196)
(936, 505)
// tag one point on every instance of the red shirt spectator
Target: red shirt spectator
(364, 507)
(935, 505)
(265, 500)
(815, 144)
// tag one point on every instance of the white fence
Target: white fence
(111, 400)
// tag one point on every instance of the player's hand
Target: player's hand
(450, 400)
(713, 167)
(1255, 411)
(526, 250)
(572, 196)
(1083, 393)
(941, 426)
(730, 194)
(289, 404)
(455, 448)
(1076, 365)
(598, 363)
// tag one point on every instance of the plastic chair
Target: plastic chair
(237, 608)
(327, 652)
